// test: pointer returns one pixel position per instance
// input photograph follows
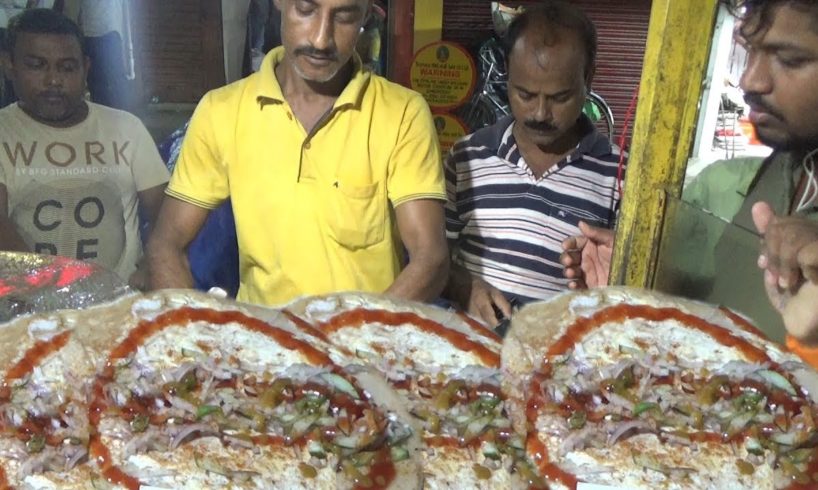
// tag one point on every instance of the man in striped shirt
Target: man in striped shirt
(518, 188)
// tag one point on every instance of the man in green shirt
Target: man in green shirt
(780, 87)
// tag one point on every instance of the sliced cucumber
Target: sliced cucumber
(340, 384)
(316, 450)
(399, 453)
(490, 451)
(777, 381)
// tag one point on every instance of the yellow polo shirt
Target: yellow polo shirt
(314, 212)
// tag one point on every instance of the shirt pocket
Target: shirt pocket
(356, 215)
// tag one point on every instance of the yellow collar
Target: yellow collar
(268, 90)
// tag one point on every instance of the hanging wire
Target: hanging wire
(811, 187)
(620, 171)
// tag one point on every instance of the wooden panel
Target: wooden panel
(675, 61)
(401, 19)
(178, 49)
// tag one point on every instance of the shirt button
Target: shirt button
(307, 145)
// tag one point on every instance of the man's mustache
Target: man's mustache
(327, 54)
(540, 125)
(755, 101)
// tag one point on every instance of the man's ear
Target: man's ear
(589, 78)
(6, 64)
(369, 12)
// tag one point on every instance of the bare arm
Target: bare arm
(10, 239)
(423, 232)
(150, 200)
(176, 227)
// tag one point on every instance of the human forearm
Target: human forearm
(168, 265)
(177, 226)
(458, 285)
(421, 226)
(423, 279)
(10, 239)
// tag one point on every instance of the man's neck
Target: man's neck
(541, 158)
(311, 101)
(293, 85)
(73, 119)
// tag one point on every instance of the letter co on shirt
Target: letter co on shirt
(68, 197)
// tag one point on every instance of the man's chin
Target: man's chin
(317, 76)
(778, 140)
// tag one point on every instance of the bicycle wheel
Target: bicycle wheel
(477, 113)
(599, 105)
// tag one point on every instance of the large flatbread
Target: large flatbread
(445, 368)
(635, 389)
(179, 389)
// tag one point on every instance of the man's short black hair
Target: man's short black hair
(757, 14)
(40, 21)
(558, 13)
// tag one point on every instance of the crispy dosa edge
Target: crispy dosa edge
(538, 325)
(451, 465)
(409, 475)
(350, 300)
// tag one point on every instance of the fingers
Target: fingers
(570, 243)
(808, 262)
(785, 263)
(571, 258)
(601, 236)
(577, 284)
(784, 240)
(499, 300)
(801, 316)
(763, 214)
(574, 244)
(480, 303)
(773, 292)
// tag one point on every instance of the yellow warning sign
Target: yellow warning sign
(444, 73)
(449, 130)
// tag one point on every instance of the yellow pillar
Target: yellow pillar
(428, 22)
(678, 47)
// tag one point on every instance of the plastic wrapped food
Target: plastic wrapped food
(32, 283)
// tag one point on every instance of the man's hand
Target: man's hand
(785, 238)
(140, 279)
(587, 257)
(476, 296)
(483, 297)
(789, 257)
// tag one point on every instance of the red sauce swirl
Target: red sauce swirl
(479, 328)
(617, 314)
(360, 316)
(33, 356)
(741, 322)
(383, 469)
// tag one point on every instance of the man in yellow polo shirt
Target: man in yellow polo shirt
(330, 169)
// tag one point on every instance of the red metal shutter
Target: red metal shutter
(622, 27)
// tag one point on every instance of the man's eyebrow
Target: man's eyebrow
(343, 9)
(786, 46)
(567, 91)
(522, 89)
(346, 9)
